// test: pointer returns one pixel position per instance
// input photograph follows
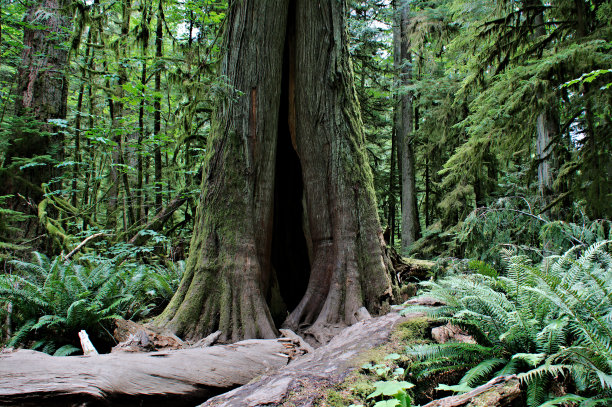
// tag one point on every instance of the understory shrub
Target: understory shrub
(48, 301)
(551, 324)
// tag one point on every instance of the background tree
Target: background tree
(404, 125)
(41, 89)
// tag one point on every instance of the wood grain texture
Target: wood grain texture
(300, 382)
(31, 378)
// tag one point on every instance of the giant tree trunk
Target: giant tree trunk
(42, 92)
(287, 229)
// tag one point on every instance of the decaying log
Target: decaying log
(134, 337)
(425, 301)
(451, 333)
(301, 381)
(409, 270)
(210, 340)
(174, 377)
(503, 391)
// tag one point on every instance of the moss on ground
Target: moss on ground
(360, 383)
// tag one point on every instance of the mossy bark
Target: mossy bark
(289, 137)
(42, 93)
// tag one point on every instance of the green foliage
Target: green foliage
(544, 322)
(392, 388)
(53, 299)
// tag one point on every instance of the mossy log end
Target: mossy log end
(175, 377)
(502, 391)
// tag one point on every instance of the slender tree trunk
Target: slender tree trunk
(89, 195)
(117, 111)
(288, 216)
(391, 220)
(157, 107)
(427, 193)
(77, 124)
(405, 127)
(547, 128)
(140, 200)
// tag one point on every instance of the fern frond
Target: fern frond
(77, 313)
(563, 400)
(541, 371)
(21, 334)
(66, 350)
(481, 372)
(49, 321)
(536, 390)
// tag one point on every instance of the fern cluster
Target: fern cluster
(51, 300)
(11, 241)
(547, 323)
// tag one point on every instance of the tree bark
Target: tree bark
(287, 220)
(405, 128)
(159, 32)
(547, 127)
(175, 377)
(42, 92)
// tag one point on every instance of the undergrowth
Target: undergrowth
(549, 323)
(46, 302)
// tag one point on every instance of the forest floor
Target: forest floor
(363, 359)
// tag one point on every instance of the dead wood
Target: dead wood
(160, 218)
(451, 333)
(208, 341)
(300, 382)
(409, 270)
(425, 301)
(174, 377)
(134, 337)
(503, 391)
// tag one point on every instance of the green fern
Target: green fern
(53, 299)
(544, 322)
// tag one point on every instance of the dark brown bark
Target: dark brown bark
(287, 220)
(42, 91)
(404, 124)
(159, 32)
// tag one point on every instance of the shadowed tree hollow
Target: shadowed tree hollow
(287, 232)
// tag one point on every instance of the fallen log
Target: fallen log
(160, 219)
(173, 377)
(134, 337)
(300, 382)
(502, 391)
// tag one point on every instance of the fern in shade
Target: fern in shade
(52, 299)
(546, 323)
